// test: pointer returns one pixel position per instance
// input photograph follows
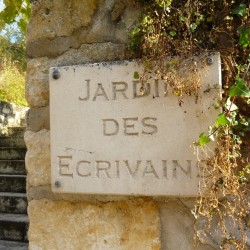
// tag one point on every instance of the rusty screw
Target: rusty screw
(56, 74)
(210, 61)
(57, 184)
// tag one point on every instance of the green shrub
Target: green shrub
(12, 84)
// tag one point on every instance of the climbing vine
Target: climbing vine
(186, 29)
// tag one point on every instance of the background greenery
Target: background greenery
(14, 17)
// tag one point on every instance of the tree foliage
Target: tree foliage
(12, 48)
(13, 22)
(15, 11)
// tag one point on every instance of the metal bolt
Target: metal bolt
(210, 61)
(56, 74)
(57, 184)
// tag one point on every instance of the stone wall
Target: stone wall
(11, 115)
(70, 32)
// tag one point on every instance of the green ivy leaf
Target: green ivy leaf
(221, 120)
(183, 18)
(244, 37)
(203, 139)
(136, 75)
(239, 89)
(241, 10)
(193, 27)
(172, 33)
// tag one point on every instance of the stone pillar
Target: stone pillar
(71, 32)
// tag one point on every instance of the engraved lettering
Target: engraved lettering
(153, 128)
(131, 172)
(94, 91)
(136, 169)
(88, 92)
(164, 168)
(135, 89)
(128, 126)
(64, 166)
(186, 171)
(117, 167)
(157, 88)
(149, 170)
(100, 92)
(80, 168)
(122, 89)
(103, 166)
(113, 129)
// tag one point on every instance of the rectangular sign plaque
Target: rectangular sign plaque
(108, 137)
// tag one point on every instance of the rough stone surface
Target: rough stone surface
(215, 236)
(11, 115)
(51, 35)
(13, 245)
(59, 18)
(38, 157)
(42, 192)
(177, 224)
(38, 119)
(114, 225)
(117, 11)
(37, 83)
(47, 47)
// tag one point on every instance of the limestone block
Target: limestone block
(37, 82)
(38, 157)
(82, 226)
(50, 48)
(97, 52)
(117, 11)
(45, 192)
(54, 36)
(177, 227)
(38, 119)
(125, 23)
(54, 18)
(215, 236)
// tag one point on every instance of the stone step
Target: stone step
(14, 203)
(13, 183)
(14, 227)
(12, 141)
(7, 153)
(13, 245)
(16, 167)
(16, 131)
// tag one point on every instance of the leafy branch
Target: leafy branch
(15, 11)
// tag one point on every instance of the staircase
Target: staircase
(13, 200)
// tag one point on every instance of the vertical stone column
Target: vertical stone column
(71, 32)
